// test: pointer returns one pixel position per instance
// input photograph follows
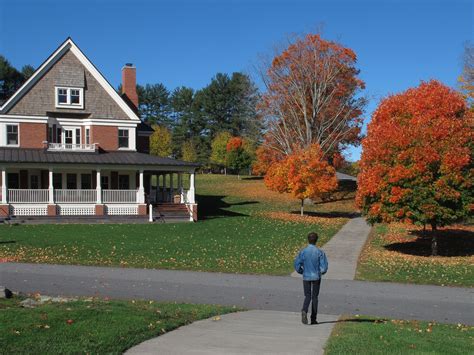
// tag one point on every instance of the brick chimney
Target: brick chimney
(129, 84)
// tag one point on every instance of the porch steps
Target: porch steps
(171, 212)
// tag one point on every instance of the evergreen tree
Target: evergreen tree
(154, 104)
(10, 79)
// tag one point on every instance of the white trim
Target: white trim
(96, 122)
(23, 117)
(70, 45)
(68, 104)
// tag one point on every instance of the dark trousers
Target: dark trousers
(311, 293)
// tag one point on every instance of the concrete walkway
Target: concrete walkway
(252, 332)
(343, 250)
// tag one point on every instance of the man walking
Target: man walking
(312, 263)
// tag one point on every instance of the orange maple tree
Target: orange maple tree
(312, 96)
(304, 174)
(416, 163)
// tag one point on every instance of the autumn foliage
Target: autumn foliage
(304, 174)
(416, 163)
(312, 96)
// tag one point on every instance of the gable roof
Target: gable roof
(69, 45)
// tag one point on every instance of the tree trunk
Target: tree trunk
(434, 240)
(225, 171)
(302, 207)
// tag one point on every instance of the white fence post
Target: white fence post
(141, 190)
(50, 187)
(98, 188)
(191, 196)
(4, 186)
(150, 209)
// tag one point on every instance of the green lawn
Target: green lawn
(235, 234)
(397, 253)
(366, 335)
(94, 326)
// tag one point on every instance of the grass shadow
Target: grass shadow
(8, 242)
(451, 242)
(355, 320)
(329, 214)
(214, 206)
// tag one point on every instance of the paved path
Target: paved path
(281, 293)
(343, 250)
(253, 332)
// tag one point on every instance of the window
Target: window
(34, 182)
(123, 138)
(75, 97)
(57, 180)
(13, 181)
(62, 96)
(124, 182)
(104, 182)
(71, 181)
(78, 136)
(68, 136)
(86, 181)
(69, 97)
(12, 135)
(88, 136)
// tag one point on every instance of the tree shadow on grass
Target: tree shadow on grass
(252, 178)
(355, 320)
(451, 242)
(329, 214)
(214, 206)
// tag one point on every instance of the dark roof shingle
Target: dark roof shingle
(24, 155)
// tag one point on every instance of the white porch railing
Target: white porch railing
(28, 195)
(75, 196)
(67, 146)
(120, 196)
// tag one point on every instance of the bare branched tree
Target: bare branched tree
(313, 95)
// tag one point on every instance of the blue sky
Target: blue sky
(398, 43)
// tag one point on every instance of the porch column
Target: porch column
(4, 186)
(141, 190)
(50, 187)
(191, 197)
(157, 187)
(180, 187)
(171, 188)
(98, 187)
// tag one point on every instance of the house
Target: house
(70, 145)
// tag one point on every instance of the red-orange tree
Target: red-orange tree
(304, 174)
(416, 163)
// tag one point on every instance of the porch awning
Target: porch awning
(38, 156)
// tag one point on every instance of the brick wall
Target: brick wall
(32, 135)
(106, 136)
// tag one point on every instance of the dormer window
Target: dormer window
(69, 97)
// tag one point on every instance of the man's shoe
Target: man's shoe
(304, 317)
(314, 322)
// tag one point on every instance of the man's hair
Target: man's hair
(312, 238)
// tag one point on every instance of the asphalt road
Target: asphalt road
(279, 293)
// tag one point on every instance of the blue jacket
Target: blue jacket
(312, 263)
